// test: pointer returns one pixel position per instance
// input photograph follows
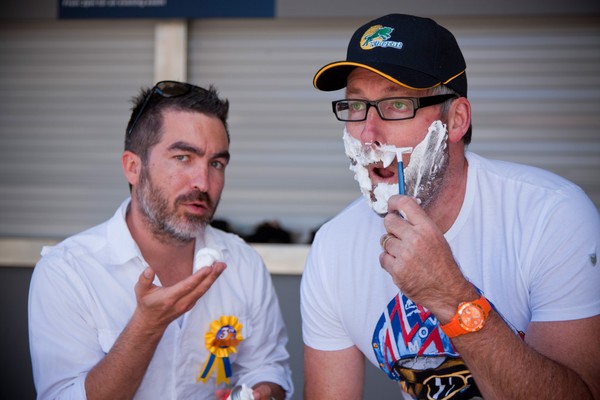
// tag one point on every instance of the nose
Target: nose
(371, 132)
(199, 178)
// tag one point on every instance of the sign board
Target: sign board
(77, 9)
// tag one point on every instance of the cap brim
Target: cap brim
(334, 76)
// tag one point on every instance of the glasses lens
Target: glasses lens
(396, 108)
(350, 110)
(172, 88)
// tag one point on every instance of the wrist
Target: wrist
(470, 317)
(139, 326)
(447, 310)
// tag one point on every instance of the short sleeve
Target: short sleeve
(322, 328)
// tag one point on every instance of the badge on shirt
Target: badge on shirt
(221, 340)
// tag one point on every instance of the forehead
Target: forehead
(190, 125)
(363, 82)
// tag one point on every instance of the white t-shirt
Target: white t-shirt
(525, 237)
(82, 296)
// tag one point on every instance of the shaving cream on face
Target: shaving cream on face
(428, 163)
(361, 156)
(206, 257)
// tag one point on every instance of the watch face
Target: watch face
(471, 317)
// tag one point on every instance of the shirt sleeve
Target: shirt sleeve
(63, 346)
(565, 274)
(264, 357)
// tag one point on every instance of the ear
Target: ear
(459, 119)
(132, 165)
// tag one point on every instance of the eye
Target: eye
(399, 105)
(356, 106)
(397, 108)
(182, 157)
(217, 164)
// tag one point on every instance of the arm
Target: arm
(558, 360)
(262, 360)
(120, 372)
(333, 374)
(552, 363)
(334, 368)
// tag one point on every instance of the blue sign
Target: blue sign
(75, 9)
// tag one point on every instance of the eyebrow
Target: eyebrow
(184, 146)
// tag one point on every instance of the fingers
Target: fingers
(383, 241)
(189, 290)
(261, 392)
(146, 277)
(386, 260)
(267, 391)
(144, 283)
(222, 394)
(405, 207)
(161, 305)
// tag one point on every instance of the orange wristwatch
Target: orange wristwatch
(470, 317)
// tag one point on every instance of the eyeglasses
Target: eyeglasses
(166, 89)
(389, 109)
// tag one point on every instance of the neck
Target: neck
(171, 260)
(444, 209)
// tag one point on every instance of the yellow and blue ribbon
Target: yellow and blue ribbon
(221, 340)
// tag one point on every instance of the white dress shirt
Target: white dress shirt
(82, 296)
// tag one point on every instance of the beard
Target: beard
(163, 220)
(424, 175)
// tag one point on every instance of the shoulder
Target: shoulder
(70, 265)
(80, 245)
(519, 174)
(108, 243)
(528, 185)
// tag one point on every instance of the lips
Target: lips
(196, 206)
(196, 202)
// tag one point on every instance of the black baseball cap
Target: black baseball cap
(413, 52)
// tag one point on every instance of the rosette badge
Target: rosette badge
(221, 340)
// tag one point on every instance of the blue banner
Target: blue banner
(189, 9)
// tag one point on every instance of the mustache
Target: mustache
(195, 196)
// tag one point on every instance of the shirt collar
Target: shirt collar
(126, 249)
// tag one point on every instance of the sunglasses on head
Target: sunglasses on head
(166, 89)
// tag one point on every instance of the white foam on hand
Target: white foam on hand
(206, 257)
(242, 392)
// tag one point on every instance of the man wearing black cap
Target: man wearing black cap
(481, 281)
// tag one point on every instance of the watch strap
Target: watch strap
(454, 328)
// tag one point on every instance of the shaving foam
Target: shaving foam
(361, 156)
(242, 392)
(426, 161)
(206, 257)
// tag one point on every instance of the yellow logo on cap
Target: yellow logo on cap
(377, 36)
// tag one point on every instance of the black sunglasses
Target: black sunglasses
(166, 89)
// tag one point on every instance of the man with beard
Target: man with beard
(155, 303)
(482, 281)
